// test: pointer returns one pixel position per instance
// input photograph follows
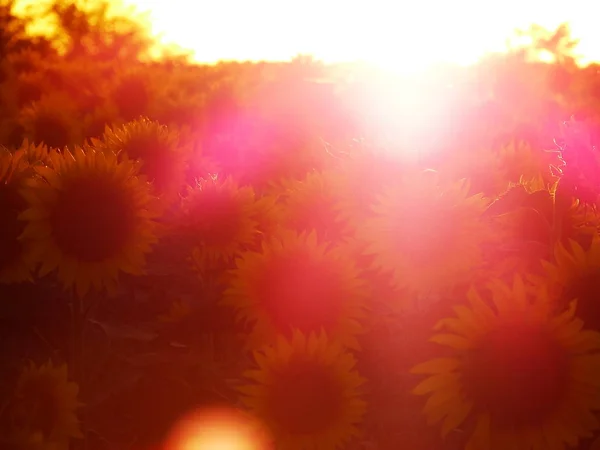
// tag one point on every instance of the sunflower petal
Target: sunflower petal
(435, 366)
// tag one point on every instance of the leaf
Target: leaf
(528, 224)
(125, 332)
(529, 248)
(514, 197)
(542, 202)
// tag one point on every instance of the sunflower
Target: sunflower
(202, 166)
(35, 153)
(268, 214)
(96, 120)
(359, 181)
(218, 219)
(52, 120)
(16, 259)
(579, 222)
(12, 132)
(295, 282)
(521, 222)
(575, 273)
(527, 379)
(535, 183)
(307, 391)
(311, 204)
(162, 158)
(44, 406)
(30, 87)
(132, 93)
(483, 167)
(285, 156)
(519, 159)
(429, 237)
(90, 217)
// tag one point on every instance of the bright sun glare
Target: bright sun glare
(401, 36)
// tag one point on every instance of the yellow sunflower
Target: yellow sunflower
(162, 158)
(312, 204)
(89, 218)
(579, 221)
(52, 120)
(44, 406)
(535, 183)
(575, 273)
(358, 182)
(35, 153)
(202, 166)
(132, 93)
(218, 219)
(96, 120)
(307, 391)
(483, 167)
(527, 380)
(295, 282)
(429, 237)
(268, 214)
(16, 259)
(519, 159)
(30, 87)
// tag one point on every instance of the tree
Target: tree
(543, 44)
(13, 32)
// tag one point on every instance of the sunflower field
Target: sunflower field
(339, 257)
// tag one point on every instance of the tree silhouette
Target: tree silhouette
(13, 32)
(91, 29)
(557, 44)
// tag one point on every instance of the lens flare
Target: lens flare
(217, 429)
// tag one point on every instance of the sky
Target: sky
(398, 35)
(380, 31)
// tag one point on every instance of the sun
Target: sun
(405, 39)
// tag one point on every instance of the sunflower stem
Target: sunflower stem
(76, 363)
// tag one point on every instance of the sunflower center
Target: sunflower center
(300, 292)
(519, 374)
(586, 290)
(93, 218)
(305, 398)
(11, 204)
(316, 213)
(424, 234)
